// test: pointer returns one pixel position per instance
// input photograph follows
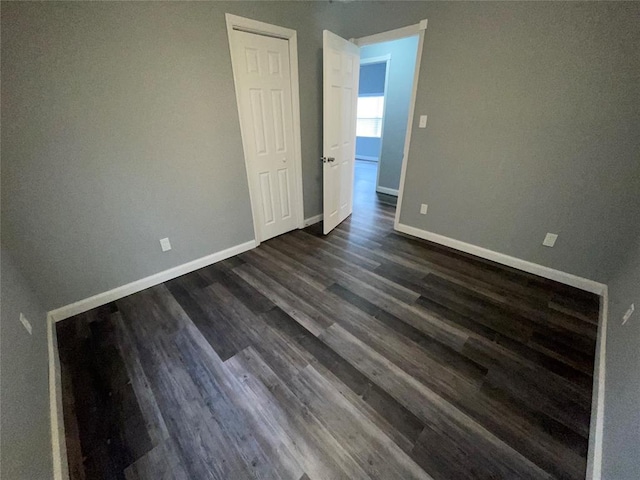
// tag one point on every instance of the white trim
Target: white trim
(58, 443)
(150, 281)
(388, 191)
(257, 27)
(379, 59)
(392, 34)
(313, 220)
(596, 431)
(261, 28)
(412, 107)
(297, 135)
(366, 158)
(524, 265)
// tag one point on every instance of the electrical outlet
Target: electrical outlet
(550, 240)
(423, 209)
(627, 315)
(423, 121)
(25, 323)
(165, 244)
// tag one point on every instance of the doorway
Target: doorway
(387, 73)
(341, 73)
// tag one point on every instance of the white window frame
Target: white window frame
(379, 118)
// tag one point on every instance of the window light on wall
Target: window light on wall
(369, 119)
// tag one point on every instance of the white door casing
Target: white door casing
(341, 70)
(262, 72)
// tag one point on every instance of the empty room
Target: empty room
(320, 240)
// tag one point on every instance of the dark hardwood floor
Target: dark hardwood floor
(362, 354)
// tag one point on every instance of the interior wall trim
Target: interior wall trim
(58, 443)
(596, 428)
(388, 191)
(392, 34)
(524, 265)
(150, 281)
(313, 220)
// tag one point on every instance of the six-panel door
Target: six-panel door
(263, 79)
(340, 96)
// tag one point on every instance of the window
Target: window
(369, 122)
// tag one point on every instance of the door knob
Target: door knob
(327, 159)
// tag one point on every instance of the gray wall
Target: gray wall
(120, 127)
(25, 433)
(534, 127)
(368, 147)
(124, 130)
(622, 398)
(372, 77)
(401, 70)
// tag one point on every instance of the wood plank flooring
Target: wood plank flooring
(362, 354)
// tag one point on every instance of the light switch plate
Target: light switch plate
(423, 121)
(550, 240)
(423, 209)
(165, 244)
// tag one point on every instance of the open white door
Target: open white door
(341, 69)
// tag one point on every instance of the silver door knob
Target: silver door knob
(327, 159)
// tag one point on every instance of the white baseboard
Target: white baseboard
(524, 265)
(596, 430)
(312, 220)
(150, 281)
(367, 158)
(388, 191)
(58, 443)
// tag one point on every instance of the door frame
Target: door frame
(417, 29)
(386, 59)
(248, 25)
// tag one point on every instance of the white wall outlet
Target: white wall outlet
(550, 240)
(165, 244)
(423, 209)
(423, 121)
(26, 323)
(627, 315)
